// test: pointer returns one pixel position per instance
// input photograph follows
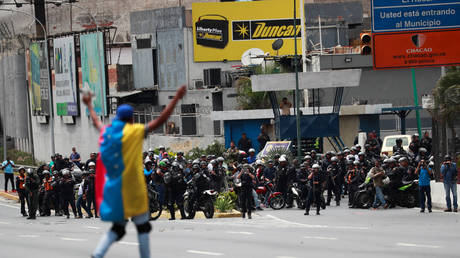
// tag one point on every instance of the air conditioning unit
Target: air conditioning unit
(198, 84)
(212, 77)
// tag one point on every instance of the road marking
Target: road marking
(73, 239)
(4, 223)
(286, 257)
(128, 243)
(417, 245)
(89, 227)
(316, 226)
(320, 238)
(239, 232)
(204, 253)
(28, 236)
(10, 206)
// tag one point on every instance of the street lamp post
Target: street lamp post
(296, 70)
(50, 94)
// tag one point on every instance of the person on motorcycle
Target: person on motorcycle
(276, 161)
(180, 159)
(398, 148)
(314, 156)
(355, 177)
(422, 155)
(316, 181)
(270, 171)
(216, 176)
(407, 170)
(148, 170)
(175, 189)
(200, 182)
(252, 156)
(365, 164)
(334, 182)
(247, 187)
(159, 182)
(378, 174)
(424, 174)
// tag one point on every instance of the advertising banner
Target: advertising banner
(65, 77)
(93, 69)
(271, 145)
(224, 31)
(39, 79)
(416, 49)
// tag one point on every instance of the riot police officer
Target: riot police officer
(31, 186)
(247, 186)
(68, 197)
(333, 184)
(22, 193)
(175, 188)
(316, 181)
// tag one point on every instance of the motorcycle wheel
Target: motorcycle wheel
(277, 202)
(411, 201)
(364, 200)
(155, 209)
(188, 209)
(300, 204)
(209, 209)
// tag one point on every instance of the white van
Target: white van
(390, 141)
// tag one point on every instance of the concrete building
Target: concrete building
(152, 54)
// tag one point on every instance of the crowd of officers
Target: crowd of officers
(56, 186)
(52, 186)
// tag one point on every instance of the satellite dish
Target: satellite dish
(253, 56)
(277, 44)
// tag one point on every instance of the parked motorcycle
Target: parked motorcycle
(297, 194)
(198, 201)
(275, 199)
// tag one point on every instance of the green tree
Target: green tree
(447, 97)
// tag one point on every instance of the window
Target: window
(217, 130)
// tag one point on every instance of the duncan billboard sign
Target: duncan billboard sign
(223, 31)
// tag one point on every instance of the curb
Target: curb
(9, 196)
(199, 215)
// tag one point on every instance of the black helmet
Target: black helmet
(447, 158)
(399, 140)
(195, 166)
(277, 156)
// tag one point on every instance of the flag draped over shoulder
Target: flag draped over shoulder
(120, 185)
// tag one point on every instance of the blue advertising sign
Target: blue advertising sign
(412, 15)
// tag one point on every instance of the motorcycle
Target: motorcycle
(194, 201)
(275, 199)
(155, 207)
(407, 195)
(297, 194)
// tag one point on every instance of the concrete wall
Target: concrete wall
(438, 195)
(349, 126)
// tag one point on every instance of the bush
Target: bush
(20, 157)
(215, 148)
(225, 202)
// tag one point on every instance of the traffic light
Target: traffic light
(366, 43)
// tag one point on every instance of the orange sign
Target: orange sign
(416, 49)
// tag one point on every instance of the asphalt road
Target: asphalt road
(338, 232)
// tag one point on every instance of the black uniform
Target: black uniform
(22, 193)
(354, 178)
(246, 198)
(333, 184)
(32, 185)
(314, 194)
(68, 197)
(175, 189)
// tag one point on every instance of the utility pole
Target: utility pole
(296, 70)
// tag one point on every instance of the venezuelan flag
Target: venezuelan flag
(120, 185)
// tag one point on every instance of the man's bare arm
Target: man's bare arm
(87, 99)
(152, 125)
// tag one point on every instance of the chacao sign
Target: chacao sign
(223, 31)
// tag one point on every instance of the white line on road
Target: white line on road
(10, 206)
(73, 239)
(4, 223)
(93, 227)
(315, 226)
(417, 245)
(239, 232)
(285, 257)
(204, 253)
(128, 243)
(320, 238)
(28, 236)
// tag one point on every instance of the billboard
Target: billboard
(39, 79)
(416, 49)
(65, 77)
(93, 69)
(224, 31)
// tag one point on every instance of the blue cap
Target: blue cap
(125, 112)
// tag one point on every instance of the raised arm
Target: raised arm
(87, 99)
(152, 125)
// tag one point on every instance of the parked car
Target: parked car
(390, 141)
